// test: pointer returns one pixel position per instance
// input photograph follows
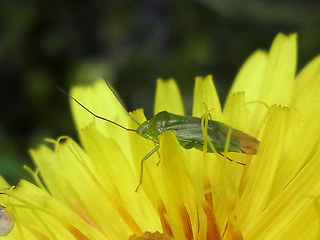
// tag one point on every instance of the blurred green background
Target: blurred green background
(130, 44)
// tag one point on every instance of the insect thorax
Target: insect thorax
(152, 128)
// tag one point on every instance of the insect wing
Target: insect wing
(190, 135)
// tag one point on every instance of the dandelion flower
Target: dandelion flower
(87, 191)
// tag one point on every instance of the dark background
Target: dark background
(130, 44)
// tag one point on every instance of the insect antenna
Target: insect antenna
(121, 102)
(92, 113)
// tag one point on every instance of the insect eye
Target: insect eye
(6, 222)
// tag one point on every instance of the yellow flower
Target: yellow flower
(89, 193)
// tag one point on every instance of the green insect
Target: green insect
(189, 133)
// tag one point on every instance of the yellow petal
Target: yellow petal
(76, 185)
(101, 100)
(303, 125)
(235, 112)
(175, 185)
(306, 90)
(173, 168)
(41, 216)
(168, 97)
(205, 95)
(140, 147)
(292, 215)
(45, 160)
(119, 180)
(250, 80)
(107, 158)
(262, 168)
(250, 76)
(279, 74)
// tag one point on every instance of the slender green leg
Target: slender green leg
(155, 149)
(159, 159)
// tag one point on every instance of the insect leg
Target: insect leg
(155, 149)
(230, 159)
(159, 159)
(204, 128)
(207, 142)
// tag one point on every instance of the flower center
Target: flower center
(151, 236)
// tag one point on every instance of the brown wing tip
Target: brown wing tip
(250, 145)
